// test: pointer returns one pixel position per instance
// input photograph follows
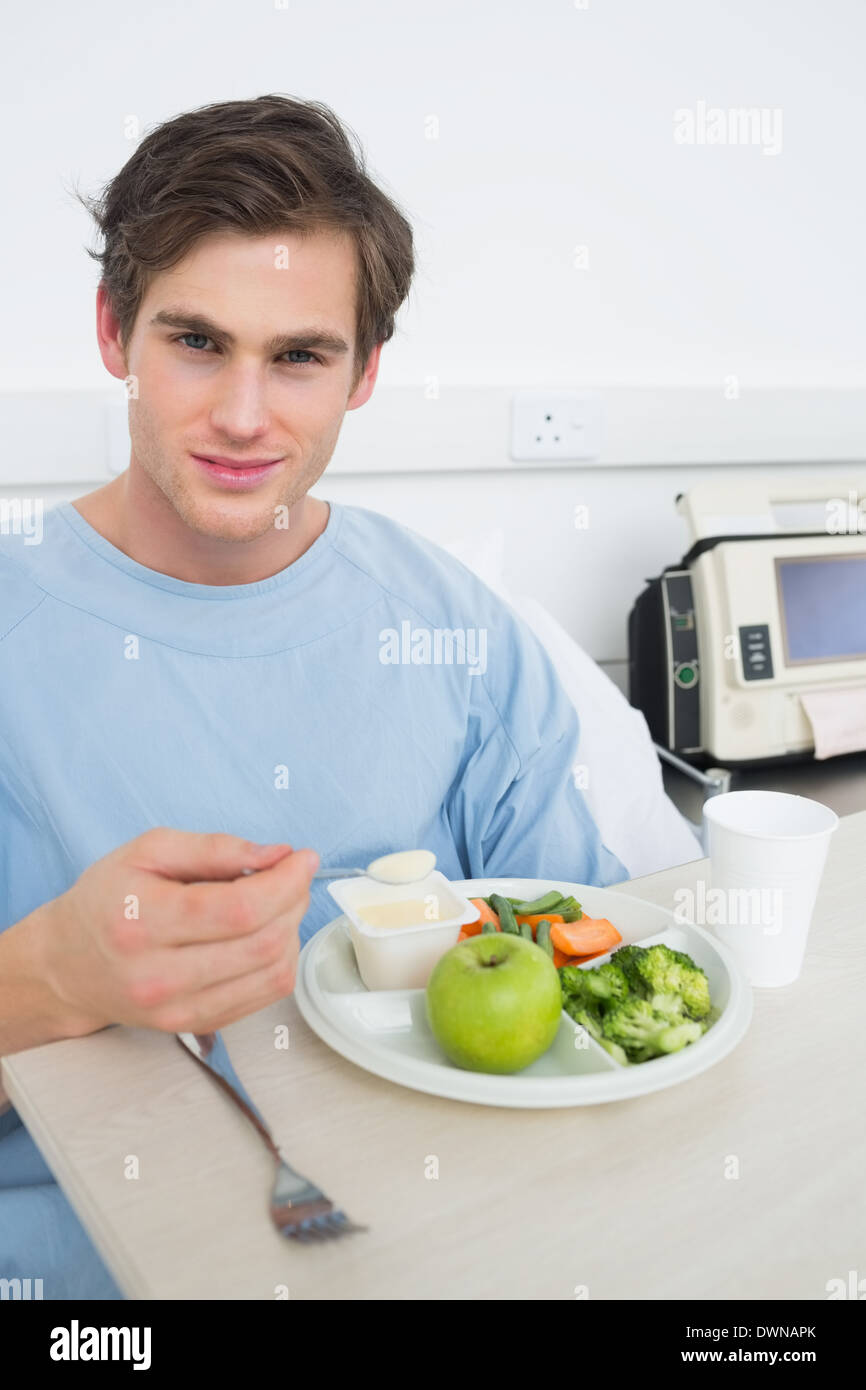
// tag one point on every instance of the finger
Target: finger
(178, 971)
(198, 912)
(220, 1004)
(189, 857)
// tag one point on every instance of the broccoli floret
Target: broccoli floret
(664, 971)
(644, 1033)
(615, 1051)
(597, 986)
(590, 1021)
(673, 1038)
(670, 1005)
(576, 993)
(633, 1024)
(573, 982)
(588, 1018)
(607, 983)
(626, 959)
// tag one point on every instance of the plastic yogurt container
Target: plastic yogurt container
(424, 921)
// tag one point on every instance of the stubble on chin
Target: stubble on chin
(229, 516)
(220, 518)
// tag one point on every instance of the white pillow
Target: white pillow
(624, 785)
(484, 554)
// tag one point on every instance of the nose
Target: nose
(240, 411)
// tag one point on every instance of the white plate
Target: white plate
(386, 1031)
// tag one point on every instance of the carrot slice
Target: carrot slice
(590, 936)
(560, 958)
(537, 917)
(464, 934)
(486, 915)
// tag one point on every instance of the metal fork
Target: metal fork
(297, 1207)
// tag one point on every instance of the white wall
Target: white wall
(555, 130)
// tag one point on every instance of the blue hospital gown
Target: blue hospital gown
(373, 695)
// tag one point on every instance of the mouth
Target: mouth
(236, 477)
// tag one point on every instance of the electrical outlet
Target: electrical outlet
(555, 425)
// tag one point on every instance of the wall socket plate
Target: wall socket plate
(555, 425)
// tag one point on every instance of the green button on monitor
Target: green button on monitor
(686, 674)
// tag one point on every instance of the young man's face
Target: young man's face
(228, 360)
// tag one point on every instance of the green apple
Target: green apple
(494, 1002)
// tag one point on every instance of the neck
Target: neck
(137, 518)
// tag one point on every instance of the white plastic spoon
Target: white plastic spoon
(406, 866)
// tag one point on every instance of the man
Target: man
(203, 667)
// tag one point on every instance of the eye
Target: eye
(304, 352)
(201, 336)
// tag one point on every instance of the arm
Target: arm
(541, 827)
(205, 945)
(518, 805)
(30, 1013)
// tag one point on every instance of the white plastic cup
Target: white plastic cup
(767, 853)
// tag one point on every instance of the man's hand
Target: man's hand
(141, 939)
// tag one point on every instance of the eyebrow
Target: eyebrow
(301, 338)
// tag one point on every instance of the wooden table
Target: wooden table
(743, 1183)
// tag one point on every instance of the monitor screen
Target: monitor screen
(823, 605)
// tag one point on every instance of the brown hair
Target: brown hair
(269, 164)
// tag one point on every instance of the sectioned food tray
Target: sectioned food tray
(386, 1031)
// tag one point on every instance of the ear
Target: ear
(364, 390)
(108, 336)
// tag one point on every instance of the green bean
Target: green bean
(526, 930)
(571, 914)
(488, 926)
(505, 912)
(542, 937)
(547, 903)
